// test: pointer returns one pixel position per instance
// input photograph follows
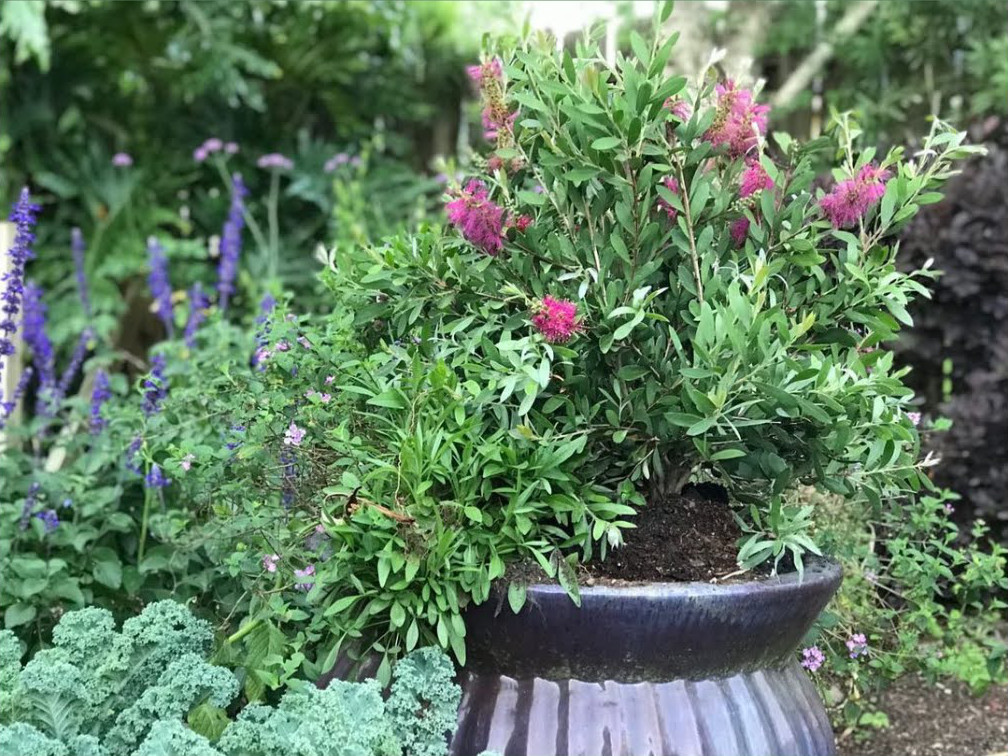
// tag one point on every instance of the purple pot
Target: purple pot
(659, 669)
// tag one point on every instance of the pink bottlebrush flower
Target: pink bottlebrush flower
(478, 218)
(522, 222)
(754, 179)
(495, 162)
(269, 562)
(673, 186)
(496, 120)
(122, 160)
(294, 435)
(812, 658)
(739, 230)
(490, 69)
(556, 320)
(679, 108)
(187, 461)
(738, 121)
(852, 198)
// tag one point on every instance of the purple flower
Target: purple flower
(275, 160)
(29, 505)
(198, 303)
(132, 464)
(294, 435)
(269, 562)
(99, 395)
(812, 658)
(155, 386)
(231, 242)
(155, 478)
(160, 285)
(34, 335)
(122, 160)
(49, 518)
(76, 360)
(23, 216)
(77, 248)
(7, 407)
(857, 645)
(335, 162)
(308, 571)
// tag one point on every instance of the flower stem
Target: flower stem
(148, 497)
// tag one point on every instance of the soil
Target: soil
(682, 537)
(936, 720)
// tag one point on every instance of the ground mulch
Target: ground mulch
(940, 719)
(687, 536)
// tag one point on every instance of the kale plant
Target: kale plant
(147, 690)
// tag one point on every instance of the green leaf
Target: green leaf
(18, 614)
(106, 567)
(391, 398)
(606, 143)
(516, 596)
(208, 720)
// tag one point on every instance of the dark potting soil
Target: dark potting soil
(682, 537)
(935, 719)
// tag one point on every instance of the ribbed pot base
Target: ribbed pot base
(773, 712)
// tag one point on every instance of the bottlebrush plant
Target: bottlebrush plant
(640, 271)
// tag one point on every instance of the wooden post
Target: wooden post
(10, 368)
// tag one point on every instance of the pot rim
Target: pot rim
(821, 571)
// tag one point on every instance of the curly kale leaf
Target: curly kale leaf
(170, 737)
(10, 668)
(24, 740)
(51, 694)
(424, 701)
(186, 682)
(309, 722)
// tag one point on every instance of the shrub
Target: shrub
(148, 690)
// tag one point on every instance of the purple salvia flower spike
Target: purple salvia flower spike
(160, 285)
(7, 407)
(155, 386)
(29, 505)
(77, 247)
(76, 360)
(231, 242)
(198, 303)
(99, 395)
(23, 216)
(42, 350)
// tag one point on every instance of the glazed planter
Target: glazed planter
(656, 669)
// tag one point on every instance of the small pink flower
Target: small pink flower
(308, 571)
(754, 179)
(857, 645)
(556, 320)
(329, 379)
(320, 528)
(949, 509)
(324, 398)
(200, 154)
(275, 160)
(523, 222)
(231, 148)
(739, 230)
(853, 197)
(915, 418)
(282, 346)
(269, 562)
(304, 342)
(294, 435)
(187, 461)
(213, 144)
(812, 658)
(478, 218)
(672, 185)
(122, 160)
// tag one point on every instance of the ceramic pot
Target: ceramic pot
(656, 669)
